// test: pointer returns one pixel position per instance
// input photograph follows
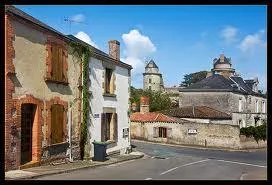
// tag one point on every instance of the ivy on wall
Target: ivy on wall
(84, 54)
(259, 132)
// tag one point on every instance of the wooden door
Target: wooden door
(57, 124)
(27, 119)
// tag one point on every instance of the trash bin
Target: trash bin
(99, 151)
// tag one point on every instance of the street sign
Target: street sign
(192, 131)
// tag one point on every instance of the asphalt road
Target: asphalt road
(178, 163)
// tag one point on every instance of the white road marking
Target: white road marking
(243, 163)
(148, 178)
(184, 165)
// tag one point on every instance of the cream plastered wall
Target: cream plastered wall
(98, 101)
(30, 68)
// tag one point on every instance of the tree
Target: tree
(157, 100)
(193, 77)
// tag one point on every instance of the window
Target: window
(240, 105)
(257, 106)
(56, 62)
(57, 112)
(109, 127)
(109, 83)
(263, 107)
(162, 132)
(149, 87)
(149, 80)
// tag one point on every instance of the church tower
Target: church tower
(152, 77)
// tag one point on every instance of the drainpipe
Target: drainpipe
(70, 133)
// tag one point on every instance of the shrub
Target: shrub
(259, 132)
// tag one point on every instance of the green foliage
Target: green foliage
(157, 100)
(84, 53)
(194, 77)
(259, 132)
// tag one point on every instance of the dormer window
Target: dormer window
(149, 80)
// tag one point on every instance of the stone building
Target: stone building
(110, 81)
(152, 78)
(228, 92)
(203, 126)
(43, 85)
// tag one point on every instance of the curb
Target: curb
(74, 169)
(201, 148)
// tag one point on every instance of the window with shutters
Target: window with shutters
(109, 82)
(109, 127)
(57, 119)
(56, 62)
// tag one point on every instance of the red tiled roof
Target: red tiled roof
(150, 117)
(203, 112)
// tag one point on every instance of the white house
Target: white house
(110, 87)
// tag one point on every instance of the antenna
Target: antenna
(70, 21)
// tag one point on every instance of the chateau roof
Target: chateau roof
(202, 112)
(225, 61)
(220, 83)
(151, 64)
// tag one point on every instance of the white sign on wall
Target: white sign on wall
(96, 115)
(125, 132)
(192, 131)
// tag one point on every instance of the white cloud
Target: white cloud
(137, 45)
(229, 34)
(78, 18)
(253, 41)
(86, 38)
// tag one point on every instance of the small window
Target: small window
(162, 132)
(240, 123)
(240, 105)
(109, 81)
(257, 106)
(149, 80)
(149, 87)
(263, 107)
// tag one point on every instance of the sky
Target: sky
(180, 39)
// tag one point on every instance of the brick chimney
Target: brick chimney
(144, 104)
(114, 49)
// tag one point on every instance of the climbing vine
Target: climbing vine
(84, 53)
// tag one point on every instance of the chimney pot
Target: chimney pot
(144, 104)
(114, 49)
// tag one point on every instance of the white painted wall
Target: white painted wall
(98, 101)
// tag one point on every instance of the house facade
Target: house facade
(152, 77)
(41, 87)
(43, 94)
(110, 85)
(225, 90)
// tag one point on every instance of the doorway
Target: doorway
(27, 119)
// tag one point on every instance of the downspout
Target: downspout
(70, 133)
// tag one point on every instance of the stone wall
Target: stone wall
(155, 82)
(208, 135)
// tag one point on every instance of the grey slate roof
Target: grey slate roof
(218, 82)
(151, 64)
(19, 13)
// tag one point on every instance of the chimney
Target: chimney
(134, 107)
(114, 49)
(144, 104)
(222, 58)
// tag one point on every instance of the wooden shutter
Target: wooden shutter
(49, 61)
(64, 65)
(103, 126)
(54, 62)
(155, 132)
(115, 133)
(113, 83)
(57, 124)
(60, 65)
(103, 80)
(169, 132)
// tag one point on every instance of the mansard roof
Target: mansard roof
(219, 83)
(225, 61)
(151, 64)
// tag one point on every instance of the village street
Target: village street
(164, 162)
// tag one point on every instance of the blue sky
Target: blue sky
(180, 39)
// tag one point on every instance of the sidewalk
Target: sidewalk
(31, 173)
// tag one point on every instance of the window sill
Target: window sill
(55, 81)
(109, 95)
